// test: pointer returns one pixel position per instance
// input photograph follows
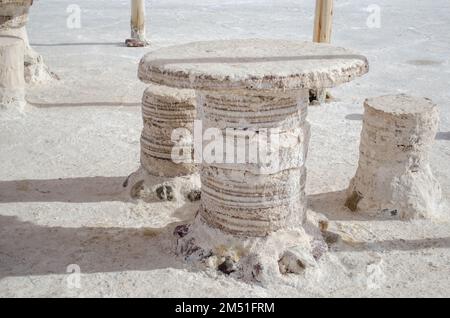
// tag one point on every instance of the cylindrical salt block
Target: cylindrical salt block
(258, 185)
(14, 13)
(13, 20)
(167, 137)
(12, 83)
(394, 173)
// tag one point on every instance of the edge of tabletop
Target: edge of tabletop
(155, 73)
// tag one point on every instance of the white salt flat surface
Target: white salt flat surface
(64, 161)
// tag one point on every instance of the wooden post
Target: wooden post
(137, 24)
(323, 22)
(323, 25)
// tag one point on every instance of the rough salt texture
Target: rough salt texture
(252, 64)
(141, 185)
(164, 110)
(253, 259)
(116, 243)
(12, 83)
(394, 173)
(14, 13)
(258, 196)
(243, 88)
(13, 20)
(251, 222)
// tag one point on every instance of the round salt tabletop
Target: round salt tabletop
(401, 104)
(255, 64)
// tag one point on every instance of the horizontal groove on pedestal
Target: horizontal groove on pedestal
(400, 135)
(268, 186)
(255, 109)
(154, 109)
(152, 148)
(166, 167)
(165, 109)
(251, 226)
(240, 207)
(249, 198)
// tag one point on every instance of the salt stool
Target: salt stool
(394, 174)
(167, 155)
(168, 116)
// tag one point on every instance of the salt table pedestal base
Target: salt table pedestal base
(167, 164)
(253, 184)
(251, 222)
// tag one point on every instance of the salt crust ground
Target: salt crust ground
(63, 162)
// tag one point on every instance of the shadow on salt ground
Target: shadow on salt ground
(87, 104)
(77, 190)
(30, 249)
(357, 117)
(71, 190)
(443, 136)
(119, 44)
(332, 205)
(394, 245)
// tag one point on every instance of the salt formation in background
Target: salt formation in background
(12, 84)
(13, 20)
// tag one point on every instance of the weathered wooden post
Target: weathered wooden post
(323, 24)
(138, 38)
